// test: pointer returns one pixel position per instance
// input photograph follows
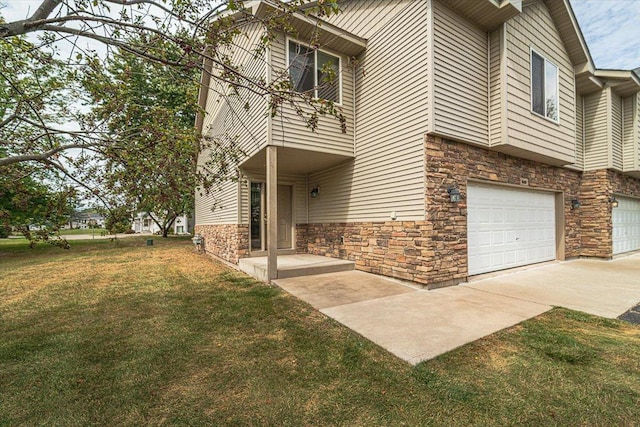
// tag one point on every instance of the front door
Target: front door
(258, 217)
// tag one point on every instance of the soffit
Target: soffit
(486, 14)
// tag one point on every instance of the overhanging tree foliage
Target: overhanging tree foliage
(120, 146)
(181, 34)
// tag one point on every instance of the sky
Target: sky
(612, 31)
(610, 27)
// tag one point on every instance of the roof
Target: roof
(624, 82)
(330, 36)
(487, 14)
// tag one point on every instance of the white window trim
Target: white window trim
(544, 57)
(315, 60)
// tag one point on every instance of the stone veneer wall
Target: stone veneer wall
(596, 190)
(434, 251)
(624, 184)
(229, 242)
(595, 211)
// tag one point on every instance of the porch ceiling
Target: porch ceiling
(295, 161)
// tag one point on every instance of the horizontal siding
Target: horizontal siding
(596, 149)
(637, 133)
(290, 130)
(615, 107)
(579, 133)
(535, 28)
(495, 87)
(353, 12)
(460, 77)
(233, 127)
(387, 173)
(628, 131)
(219, 206)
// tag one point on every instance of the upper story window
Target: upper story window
(314, 70)
(544, 87)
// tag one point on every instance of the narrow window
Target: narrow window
(544, 87)
(314, 70)
(327, 77)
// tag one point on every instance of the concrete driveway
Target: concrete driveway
(416, 324)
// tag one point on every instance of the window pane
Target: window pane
(328, 77)
(537, 83)
(551, 90)
(256, 216)
(301, 66)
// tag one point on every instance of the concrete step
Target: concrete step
(295, 266)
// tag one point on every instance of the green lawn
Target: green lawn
(118, 333)
(76, 231)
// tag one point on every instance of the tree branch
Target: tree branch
(42, 157)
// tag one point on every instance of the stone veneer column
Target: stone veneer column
(595, 212)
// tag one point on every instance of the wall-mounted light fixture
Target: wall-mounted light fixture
(454, 194)
(575, 204)
(614, 202)
(315, 191)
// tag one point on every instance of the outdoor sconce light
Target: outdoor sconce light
(454, 194)
(575, 204)
(314, 192)
(614, 202)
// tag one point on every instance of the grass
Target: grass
(118, 333)
(89, 231)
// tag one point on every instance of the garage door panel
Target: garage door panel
(626, 225)
(521, 229)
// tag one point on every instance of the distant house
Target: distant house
(479, 137)
(86, 220)
(143, 223)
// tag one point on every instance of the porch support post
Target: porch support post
(272, 212)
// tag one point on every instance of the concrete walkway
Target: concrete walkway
(417, 325)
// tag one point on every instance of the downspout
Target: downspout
(488, 89)
(353, 103)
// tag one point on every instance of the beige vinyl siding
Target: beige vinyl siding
(387, 173)
(636, 155)
(290, 130)
(615, 144)
(596, 144)
(365, 18)
(629, 131)
(534, 28)
(231, 124)
(579, 133)
(460, 76)
(496, 87)
(220, 205)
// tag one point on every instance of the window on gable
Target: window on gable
(544, 87)
(314, 71)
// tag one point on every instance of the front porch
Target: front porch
(294, 266)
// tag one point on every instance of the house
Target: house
(85, 220)
(478, 136)
(143, 223)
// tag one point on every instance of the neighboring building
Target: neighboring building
(86, 220)
(143, 223)
(497, 101)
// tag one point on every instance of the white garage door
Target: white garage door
(626, 225)
(509, 227)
